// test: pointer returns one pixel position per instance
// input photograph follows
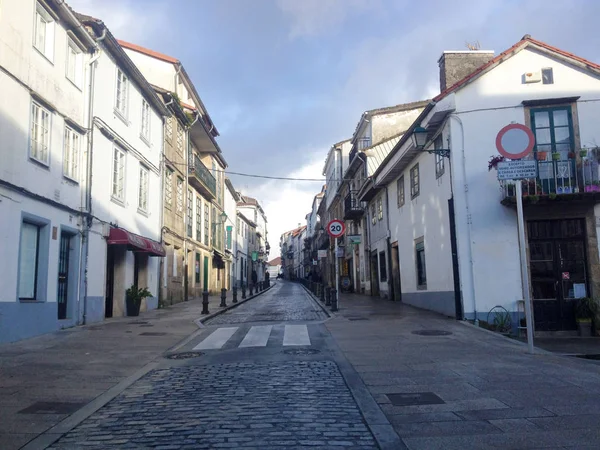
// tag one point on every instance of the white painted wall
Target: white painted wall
(231, 211)
(157, 72)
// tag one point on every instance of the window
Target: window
(143, 193)
(421, 270)
(169, 128)
(400, 187)
(190, 213)
(197, 268)
(44, 32)
(168, 188)
(40, 134)
(214, 227)
(29, 261)
(206, 222)
(198, 219)
(547, 75)
(179, 196)
(145, 132)
(414, 181)
(74, 69)
(382, 267)
(439, 159)
(118, 182)
(237, 225)
(380, 208)
(180, 139)
(121, 100)
(373, 216)
(175, 258)
(71, 154)
(553, 129)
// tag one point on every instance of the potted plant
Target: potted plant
(583, 152)
(541, 156)
(555, 156)
(585, 310)
(493, 162)
(588, 186)
(133, 299)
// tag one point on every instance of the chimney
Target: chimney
(456, 65)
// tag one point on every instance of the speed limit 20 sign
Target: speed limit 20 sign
(336, 228)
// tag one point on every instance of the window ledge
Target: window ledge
(71, 181)
(143, 212)
(33, 300)
(120, 115)
(79, 88)
(117, 201)
(43, 54)
(38, 162)
(145, 140)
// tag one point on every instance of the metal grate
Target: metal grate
(432, 333)
(184, 355)
(415, 398)
(301, 351)
(52, 408)
(153, 333)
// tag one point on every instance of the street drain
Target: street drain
(301, 351)
(52, 408)
(432, 332)
(153, 333)
(184, 355)
(415, 398)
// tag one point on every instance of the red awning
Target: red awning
(119, 236)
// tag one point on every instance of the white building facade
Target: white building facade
(43, 54)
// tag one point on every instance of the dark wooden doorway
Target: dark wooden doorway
(374, 275)
(396, 272)
(63, 274)
(558, 271)
(110, 281)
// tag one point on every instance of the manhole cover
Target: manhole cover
(152, 333)
(432, 332)
(184, 355)
(301, 351)
(415, 398)
(52, 408)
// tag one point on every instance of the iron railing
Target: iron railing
(204, 175)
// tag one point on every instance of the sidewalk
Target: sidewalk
(466, 388)
(45, 379)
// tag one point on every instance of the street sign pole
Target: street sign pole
(524, 267)
(337, 273)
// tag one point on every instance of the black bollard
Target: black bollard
(322, 293)
(334, 300)
(251, 289)
(234, 294)
(223, 298)
(205, 302)
(243, 291)
(327, 296)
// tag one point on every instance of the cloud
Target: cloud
(314, 17)
(126, 19)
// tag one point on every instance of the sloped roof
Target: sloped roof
(275, 262)
(525, 42)
(147, 51)
(377, 153)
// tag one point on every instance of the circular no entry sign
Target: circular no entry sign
(515, 141)
(336, 228)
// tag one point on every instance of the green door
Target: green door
(206, 273)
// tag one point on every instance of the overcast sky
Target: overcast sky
(283, 80)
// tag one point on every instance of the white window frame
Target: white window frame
(169, 129)
(146, 118)
(180, 144)
(74, 54)
(121, 94)
(380, 209)
(40, 117)
(35, 272)
(179, 193)
(169, 188)
(118, 175)
(143, 189)
(43, 20)
(72, 146)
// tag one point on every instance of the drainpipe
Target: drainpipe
(389, 247)
(88, 194)
(469, 221)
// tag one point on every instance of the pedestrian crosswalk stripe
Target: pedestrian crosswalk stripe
(216, 339)
(257, 336)
(296, 335)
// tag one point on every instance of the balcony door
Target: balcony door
(558, 271)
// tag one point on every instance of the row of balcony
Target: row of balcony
(360, 145)
(353, 209)
(201, 178)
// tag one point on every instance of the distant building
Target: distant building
(274, 267)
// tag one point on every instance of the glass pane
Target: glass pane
(542, 136)
(543, 269)
(28, 260)
(562, 137)
(541, 251)
(561, 118)
(542, 119)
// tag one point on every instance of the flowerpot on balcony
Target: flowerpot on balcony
(556, 156)
(595, 188)
(583, 153)
(571, 155)
(541, 156)
(589, 188)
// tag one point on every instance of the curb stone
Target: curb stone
(318, 302)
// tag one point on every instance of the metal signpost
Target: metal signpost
(335, 229)
(515, 141)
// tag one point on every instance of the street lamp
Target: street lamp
(419, 140)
